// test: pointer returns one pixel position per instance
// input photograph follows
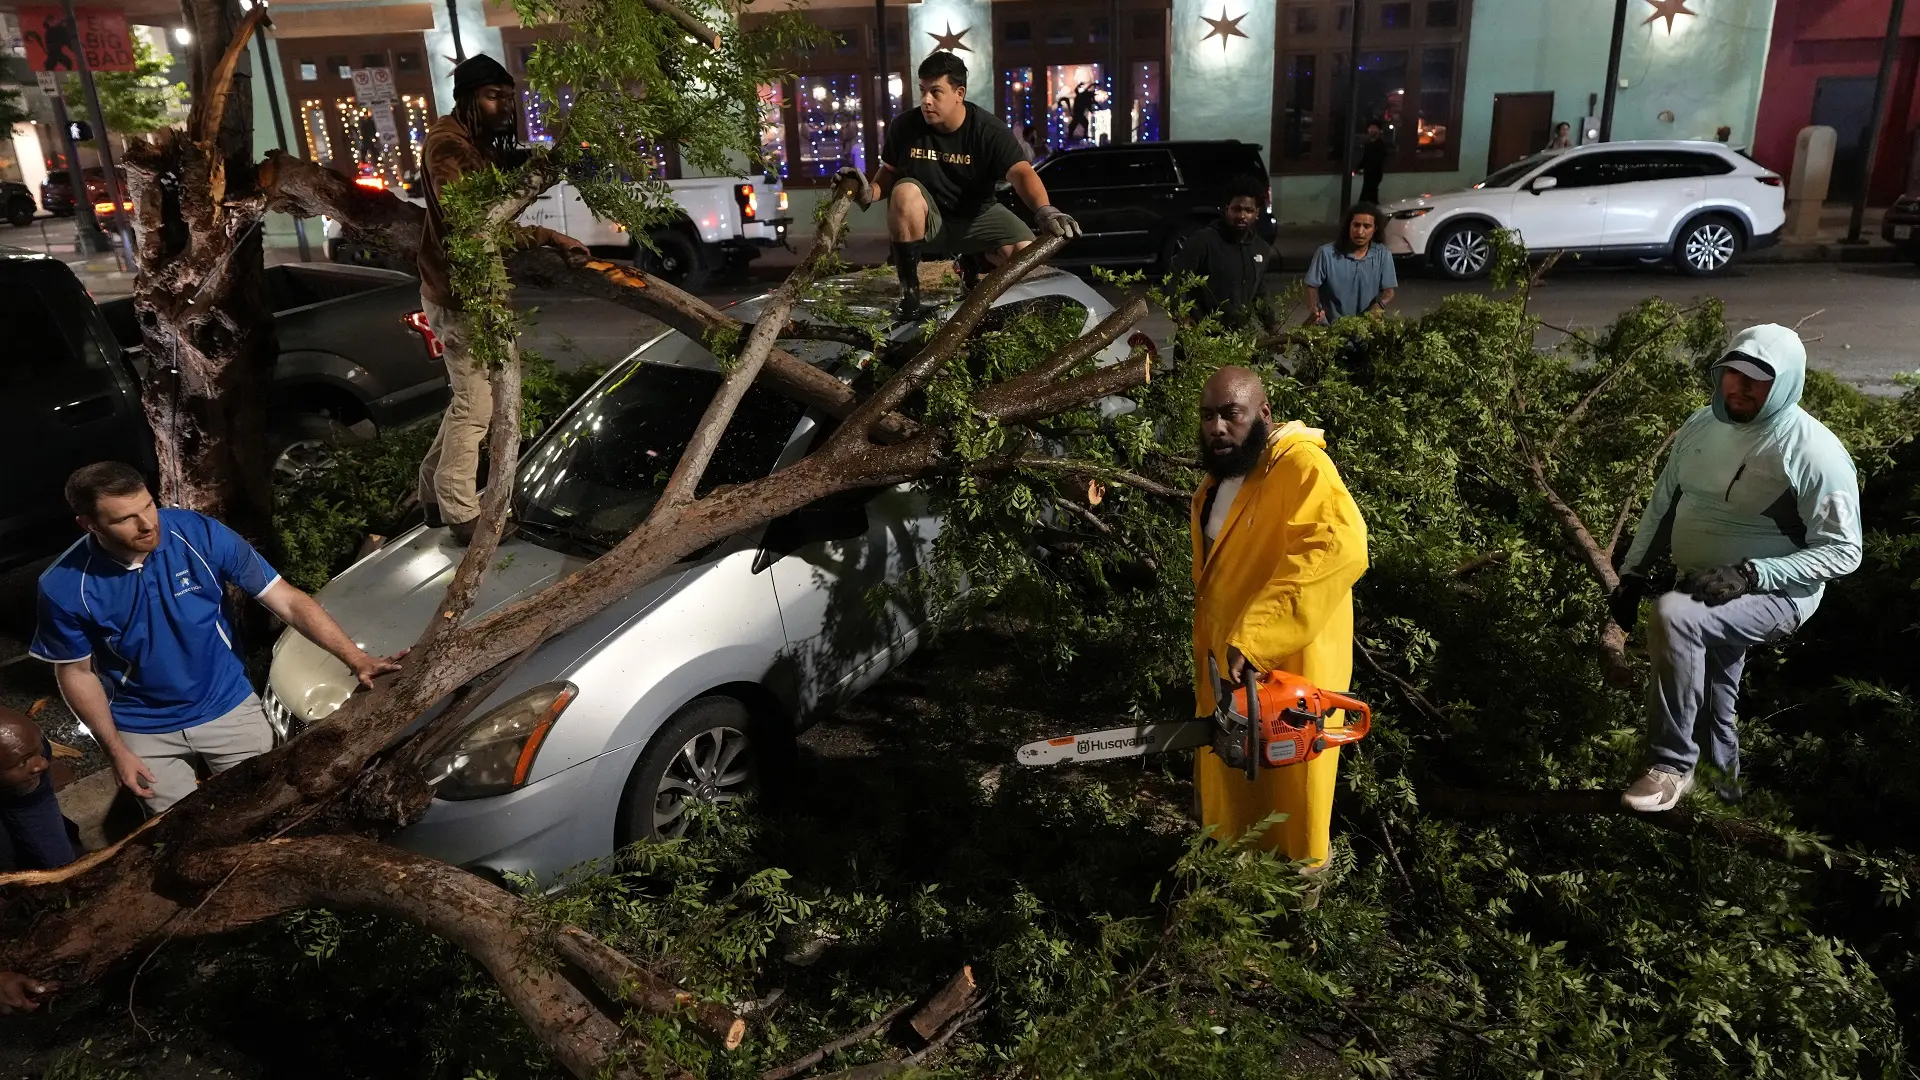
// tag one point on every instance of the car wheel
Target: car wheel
(676, 260)
(708, 752)
(20, 212)
(1707, 246)
(302, 444)
(1463, 251)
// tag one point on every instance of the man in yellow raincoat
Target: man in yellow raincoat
(1277, 545)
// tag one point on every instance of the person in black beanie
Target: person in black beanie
(481, 131)
(940, 164)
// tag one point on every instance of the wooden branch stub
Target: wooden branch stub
(701, 32)
(947, 1003)
(623, 980)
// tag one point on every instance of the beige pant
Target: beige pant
(223, 742)
(450, 471)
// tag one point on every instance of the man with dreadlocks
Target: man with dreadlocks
(479, 132)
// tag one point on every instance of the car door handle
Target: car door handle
(84, 411)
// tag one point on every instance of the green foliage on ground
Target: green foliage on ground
(1113, 942)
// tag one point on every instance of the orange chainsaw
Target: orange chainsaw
(1267, 721)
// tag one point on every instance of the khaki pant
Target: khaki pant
(223, 742)
(449, 473)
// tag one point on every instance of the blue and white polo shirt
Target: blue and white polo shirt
(157, 632)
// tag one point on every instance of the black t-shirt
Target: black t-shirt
(959, 169)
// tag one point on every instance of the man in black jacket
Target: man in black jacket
(1232, 261)
(1373, 162)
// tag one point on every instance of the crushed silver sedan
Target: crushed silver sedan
(607, 733)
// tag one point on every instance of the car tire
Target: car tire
(675, 260)
(1707, 246)
(710, 749)
(300, 443)
(20, 213)
(1463, 251)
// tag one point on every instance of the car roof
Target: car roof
(1649, 144)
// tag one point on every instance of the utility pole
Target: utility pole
(1888, 52)
(1117, 79)
(1613, 69)
(1353, 109)
(279, 125)
(453, 24)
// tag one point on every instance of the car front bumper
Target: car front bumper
(1406, 237)
(1765, 240)
(541, 829)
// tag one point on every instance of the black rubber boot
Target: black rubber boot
(906, 263)
(972, 269)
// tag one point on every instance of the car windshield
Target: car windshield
(1511, 175)
(595, 478)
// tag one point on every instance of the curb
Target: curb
(1825, 251)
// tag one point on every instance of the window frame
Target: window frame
(1126, 44)
(861, 59)
(1332, 67)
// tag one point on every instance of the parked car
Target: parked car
(16, 203)
(724, 223)
(602, 735)
(56, 191)
(1901, 225)
(1138, 203)
(355, 356)
(1697, 204)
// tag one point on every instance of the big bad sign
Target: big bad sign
(53, 44)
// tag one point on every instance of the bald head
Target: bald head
(1234, 420)
(21, 761)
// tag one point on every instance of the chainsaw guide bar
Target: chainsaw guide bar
(1123, 742)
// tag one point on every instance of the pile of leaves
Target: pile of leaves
(1769, 939)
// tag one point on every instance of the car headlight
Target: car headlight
(496, 754)
(1407, 215)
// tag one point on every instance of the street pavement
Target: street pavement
(1865, 323)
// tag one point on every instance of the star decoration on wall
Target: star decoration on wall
(1669, 10)
(1223, 28)
(950, 41)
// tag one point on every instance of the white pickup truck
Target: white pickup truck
(723, 223)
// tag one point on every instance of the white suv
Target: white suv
(1696, 203)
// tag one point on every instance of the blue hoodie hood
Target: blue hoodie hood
(1780, 349)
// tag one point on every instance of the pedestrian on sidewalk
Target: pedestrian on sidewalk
(33, 835)
(1352, 275)
(1373, 162)
(1760, 508)
(481, 131)
(133, 620)
(1562, 137)
(1232, 262)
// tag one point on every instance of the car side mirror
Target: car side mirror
(1544, 183)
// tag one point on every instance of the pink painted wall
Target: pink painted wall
(1817, 38)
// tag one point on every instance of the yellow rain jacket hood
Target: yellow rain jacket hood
(1277, 584)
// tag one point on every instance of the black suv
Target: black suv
(16, 202)
(1138, 203)
(1901, 226)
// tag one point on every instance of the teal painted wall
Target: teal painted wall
(1221, 88)
(1707, 72)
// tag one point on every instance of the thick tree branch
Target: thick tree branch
(623, 980)
(1040, 401)
(299, 187)
(1090, 469)
(701, 32)
(915, 373)
(210, 109)
(1078, 351)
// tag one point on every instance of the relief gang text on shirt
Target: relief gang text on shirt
(157, 632)
(958, 168)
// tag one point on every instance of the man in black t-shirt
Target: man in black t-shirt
(939, 166)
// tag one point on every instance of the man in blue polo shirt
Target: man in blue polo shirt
(131, 616)
(1353, 275)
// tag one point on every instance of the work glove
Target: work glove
(1623, 603)
(862, 191)
(1053, 221)
(1723, 583)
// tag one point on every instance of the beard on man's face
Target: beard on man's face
(1240, 460)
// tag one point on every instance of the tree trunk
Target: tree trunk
(199, 294)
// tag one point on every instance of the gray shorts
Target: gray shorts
(990, 230)
(220, 743)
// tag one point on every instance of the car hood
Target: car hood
(386, 599)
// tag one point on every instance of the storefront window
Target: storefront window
(830, 112)
(1082, 112)
(1148, 118)
(538, 115)
(1018, 96)
(1413, 90)
(896, 104)
(314, 119)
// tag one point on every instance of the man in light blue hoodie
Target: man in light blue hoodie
(1760, 506)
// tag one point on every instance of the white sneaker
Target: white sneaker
(1657, 790)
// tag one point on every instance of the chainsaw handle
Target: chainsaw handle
(1250, 679)
(1353, 732)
